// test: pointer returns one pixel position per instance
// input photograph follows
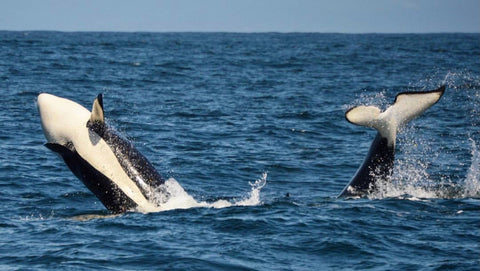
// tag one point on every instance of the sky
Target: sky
(340, 16)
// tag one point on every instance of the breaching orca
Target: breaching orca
(108, 165)
(378, 165)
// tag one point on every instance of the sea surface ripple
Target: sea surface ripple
(250, 131)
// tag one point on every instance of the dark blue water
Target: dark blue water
(217, 112)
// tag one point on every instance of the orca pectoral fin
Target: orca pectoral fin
(96, 123)
(97, 109)
(68, 154)
(60, 149)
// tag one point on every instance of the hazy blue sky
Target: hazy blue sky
(347, 16)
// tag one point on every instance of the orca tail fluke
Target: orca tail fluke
(407, 106)
(378, 165)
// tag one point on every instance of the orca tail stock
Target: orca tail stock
(378, 164)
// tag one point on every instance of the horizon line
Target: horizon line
(235, 32)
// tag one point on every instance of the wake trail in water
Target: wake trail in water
(171, 196)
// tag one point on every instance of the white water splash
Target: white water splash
(412, 181)
(411, 178)
(410, 185)
(472, 181)
(38, 217)
(171, 196)
(88, 217)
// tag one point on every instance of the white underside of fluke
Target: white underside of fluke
(406, 107)
(65, 121)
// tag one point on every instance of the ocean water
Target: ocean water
(250, 131)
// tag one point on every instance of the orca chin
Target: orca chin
(378, 164)
(109, 165)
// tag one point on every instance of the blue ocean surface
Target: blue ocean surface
(249, 130)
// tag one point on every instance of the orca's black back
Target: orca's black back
(377, 167)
